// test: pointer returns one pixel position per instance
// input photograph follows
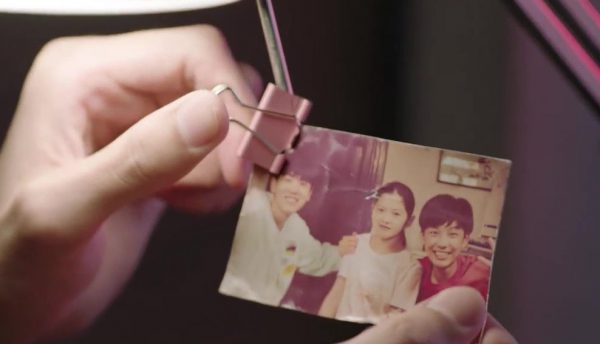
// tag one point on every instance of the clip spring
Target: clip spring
(220, 88)
(276, 124)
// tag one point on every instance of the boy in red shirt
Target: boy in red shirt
(446, 223)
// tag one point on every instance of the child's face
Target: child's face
(290, 193)
(388, 216)
(444, 244)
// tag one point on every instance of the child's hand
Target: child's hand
(416, 255)
(492, 243)
(347, 244)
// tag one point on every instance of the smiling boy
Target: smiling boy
(272, 241)
(446, 223)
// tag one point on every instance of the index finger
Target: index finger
(169, 62)
(185, 59)
(119, 79)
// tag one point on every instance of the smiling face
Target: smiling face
(444, 243)
(290, 194)
(388, 216)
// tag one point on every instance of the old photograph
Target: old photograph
(356, 227)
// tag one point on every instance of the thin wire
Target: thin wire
(274, 47)
(257, 136)
(220, 88)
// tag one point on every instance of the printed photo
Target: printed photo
(356, 227)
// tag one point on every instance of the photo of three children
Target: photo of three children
(357, 227)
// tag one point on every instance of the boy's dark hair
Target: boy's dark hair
(300, 163)
(403, 191)
(443, 210)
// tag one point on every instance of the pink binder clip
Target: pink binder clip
(274, 127)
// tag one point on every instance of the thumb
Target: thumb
(151, 155)
(454, 315)
(161, 148)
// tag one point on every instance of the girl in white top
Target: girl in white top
(380, 266)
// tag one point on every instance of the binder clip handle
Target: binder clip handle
(274, 129)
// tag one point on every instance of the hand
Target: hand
(103, 126)
(416, 255)
(455, 315)
(492, 243)
(347, 244)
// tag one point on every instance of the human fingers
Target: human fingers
(418, 254)
(151, 155)
(495, 333)
(347, 244)
(484, 260)
(352, 242)
(191, 192)
(209, 64)
(253, 79)
(160, 64)
(455, 315)
(492, 242)
(91, 89)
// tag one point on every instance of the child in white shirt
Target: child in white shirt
(380, 266)
(272, 241)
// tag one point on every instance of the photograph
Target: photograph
(356, 227)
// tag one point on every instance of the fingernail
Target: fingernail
(463, 305)
(202, 119)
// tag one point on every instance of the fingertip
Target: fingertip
(463, 305)
(495, 333)
(236, 170)
(498, 336)
(202, 119)
(454, 315)
(253, 79)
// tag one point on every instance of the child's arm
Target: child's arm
(406, 288)
(332, 300)
(315, 258)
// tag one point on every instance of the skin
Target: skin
(108, 131)
(388, 219)
(331, 303)
(443, 245)
(290, 194)
(453, 316)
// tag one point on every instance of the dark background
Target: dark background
(460, 74)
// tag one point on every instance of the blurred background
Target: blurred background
(462, 74)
